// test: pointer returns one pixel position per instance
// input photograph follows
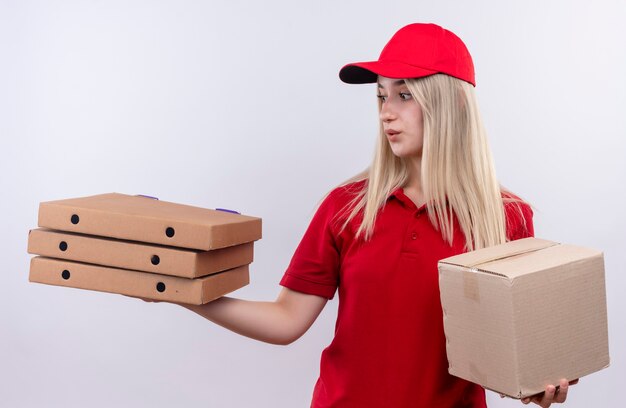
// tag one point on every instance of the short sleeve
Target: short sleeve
(314, 267)
(519, 220)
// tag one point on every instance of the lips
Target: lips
(391, 132)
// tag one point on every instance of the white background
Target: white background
(238, 105)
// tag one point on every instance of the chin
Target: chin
(404, 154)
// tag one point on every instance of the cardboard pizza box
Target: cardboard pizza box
(139, 218)
(123, 254)
(525, 314)
(140, 284)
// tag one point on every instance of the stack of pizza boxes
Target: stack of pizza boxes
(144, 247)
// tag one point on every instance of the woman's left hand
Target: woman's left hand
(551, 395)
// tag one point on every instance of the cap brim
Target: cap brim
(367, 72)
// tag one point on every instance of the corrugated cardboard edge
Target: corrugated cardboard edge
(132, 283)
(217, 260)
(518, 396)
(133, 255)
(224, 282)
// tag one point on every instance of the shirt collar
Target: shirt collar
(406, 202)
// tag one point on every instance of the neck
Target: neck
(413, 187)
(415, 174)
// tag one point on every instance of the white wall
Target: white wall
(237, 104)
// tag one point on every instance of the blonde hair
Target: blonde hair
(457, 172)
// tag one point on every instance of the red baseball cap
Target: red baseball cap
(415, 51)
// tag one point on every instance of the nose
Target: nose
(387, 114)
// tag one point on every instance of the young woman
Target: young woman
(431, 192)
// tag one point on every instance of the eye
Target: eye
(382, 98)
(405, 96)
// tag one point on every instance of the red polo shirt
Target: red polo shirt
(389, 345)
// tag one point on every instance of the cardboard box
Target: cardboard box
(147, 285)
(139, 218)
(524, 314)
(164, 260)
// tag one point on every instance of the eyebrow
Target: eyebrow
(398, 82)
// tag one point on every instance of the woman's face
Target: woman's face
(401, 117)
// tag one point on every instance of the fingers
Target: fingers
(551, 395)
(561, 392)
(548, 397)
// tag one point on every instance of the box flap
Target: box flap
(481, 256)
(556, 256)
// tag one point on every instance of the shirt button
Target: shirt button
(414, 235)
